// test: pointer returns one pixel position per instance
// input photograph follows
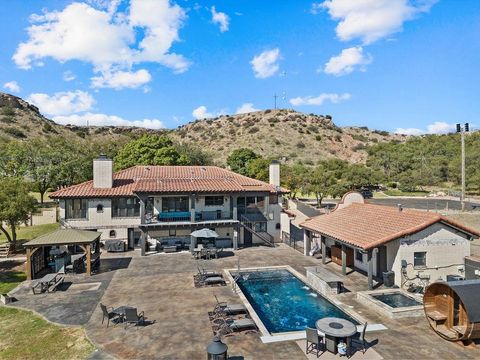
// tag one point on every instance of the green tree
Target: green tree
(324, 179)
(294, 178)
(193, 155)
(357, 176)
(259, 169)
(16, 205)
(238, 160)
(149, 150)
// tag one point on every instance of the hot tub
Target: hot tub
(394, 303)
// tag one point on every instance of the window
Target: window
(175, 204)
(76, 208)
(125, 207)
(112, 233)
(420, 259)
(358, 256)
(99, 208)
(213, 200)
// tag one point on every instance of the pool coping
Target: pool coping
(288, 335)
(366, 297)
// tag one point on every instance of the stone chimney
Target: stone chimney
(274, 173)
(102, 172)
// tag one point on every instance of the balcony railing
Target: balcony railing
(182, 216)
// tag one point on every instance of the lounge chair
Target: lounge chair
(314, 342)
(229, 309)
(109, 315)
(132, 317)
(212, 280)
(359, 340)
(207, 273)
(231, 325)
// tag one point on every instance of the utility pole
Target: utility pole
(275, 96)
(462, 131)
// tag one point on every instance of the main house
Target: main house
(141, 203)
(417, 246)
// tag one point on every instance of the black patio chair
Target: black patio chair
(109, 315)
(359, 339)
(314, 342)
(132, 317)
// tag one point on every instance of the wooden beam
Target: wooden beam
(324, 249)
(370, 269)
(344, 259)
(29, 264)
(89, 259)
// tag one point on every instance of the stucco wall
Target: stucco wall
(446, 249)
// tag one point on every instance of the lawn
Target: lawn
(396, 192)
(10, 279)
(24, 335)
(26, 233)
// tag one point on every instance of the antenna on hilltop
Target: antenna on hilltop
(275, 96)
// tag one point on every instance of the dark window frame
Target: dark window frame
(112, 234)
(100, 208)
(76, 209)
(125, 207)
(175, 204)
(214, 200)
(420, 259)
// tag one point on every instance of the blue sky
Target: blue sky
(411, 66)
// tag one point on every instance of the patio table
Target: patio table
(45, 281)
(121, 310)
(335, 329)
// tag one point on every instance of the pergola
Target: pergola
(68, 237)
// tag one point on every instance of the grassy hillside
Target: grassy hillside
(272, 133)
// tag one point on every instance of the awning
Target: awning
(64, 237)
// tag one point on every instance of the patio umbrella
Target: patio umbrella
(202, 233)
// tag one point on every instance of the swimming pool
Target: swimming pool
(283, 302)
(397, 300)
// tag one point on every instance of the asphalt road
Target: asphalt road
(423, 203)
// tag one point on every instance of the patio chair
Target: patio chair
(208, 273)
(359, 339)
(314, 342)
(231, 325)
(229, 309)
(109, 315)
(132, 317)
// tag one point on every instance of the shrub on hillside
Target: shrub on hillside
(15, 132)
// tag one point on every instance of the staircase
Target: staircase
(4, 250)
(250, 226)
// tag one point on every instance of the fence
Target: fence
(292, 242)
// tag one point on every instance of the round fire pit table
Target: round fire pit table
(335, 329)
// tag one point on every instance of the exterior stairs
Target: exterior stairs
(4, 250)
(249, 225)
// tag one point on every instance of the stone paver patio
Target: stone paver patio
(162, 286)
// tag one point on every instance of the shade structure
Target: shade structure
(204, 233)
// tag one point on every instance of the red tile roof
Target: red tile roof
(168, 179)
(367, 226)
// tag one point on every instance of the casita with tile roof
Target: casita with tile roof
(418, 246)
(153, 207)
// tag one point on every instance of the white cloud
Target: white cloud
(438, 127)
(69, 76)
(62, 103)
(246, 108)
(108, 39)
(371, 20)
(220, 18)
(347, 61)
(408, 131)
(201, 112)
(122, 79)
(106, 120)
(12, 86)
(265, 64)
(320, 99)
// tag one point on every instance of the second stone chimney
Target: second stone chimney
(102, 172)
(274, 173)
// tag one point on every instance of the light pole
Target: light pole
(462, 131)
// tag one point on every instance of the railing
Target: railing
(213, 215)
(251, 226)
(174, 216)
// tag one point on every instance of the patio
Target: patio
(162, 286)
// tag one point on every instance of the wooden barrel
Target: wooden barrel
(453, 310)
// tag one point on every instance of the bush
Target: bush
(47, 128)
(318, 138)
(300, 145)
(359, 137)
(338, 137)
(268, 111)
(15, 132)
(8, 111)
(7, 119)
(358, 147)
(381, 132)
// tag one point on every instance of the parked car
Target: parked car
(366, 193)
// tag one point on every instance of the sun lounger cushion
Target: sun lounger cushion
(242, 324)
(235, 308)
(213, 279)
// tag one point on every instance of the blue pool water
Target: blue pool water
(285, 303)
(397, 300)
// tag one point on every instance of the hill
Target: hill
(283, 134)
